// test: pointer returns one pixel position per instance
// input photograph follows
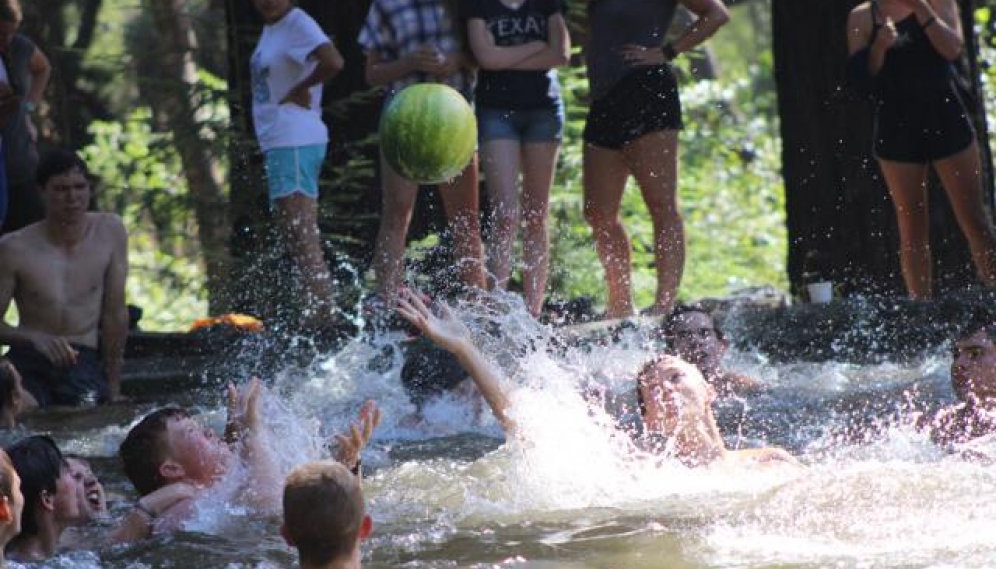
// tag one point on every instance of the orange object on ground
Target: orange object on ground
(240, 321)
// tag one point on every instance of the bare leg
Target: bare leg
(960, 175)
(397, 203)
(605, 174)
(539, 160)
(460, 200)
(907, 186)
(653, 159)
(297, 217)
(501, 170)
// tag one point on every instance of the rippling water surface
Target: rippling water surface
(448, 491)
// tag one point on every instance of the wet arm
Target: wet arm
(263, 479)
(487, 378)
(557, 53)
(449, 333)
(164, 509)
(114, 312)
(491, 56)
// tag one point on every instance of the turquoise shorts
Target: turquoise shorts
(294, 170)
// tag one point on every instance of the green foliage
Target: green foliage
(140, 180)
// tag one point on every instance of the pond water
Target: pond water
(449, 492)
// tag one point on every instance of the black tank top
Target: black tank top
(912, 68)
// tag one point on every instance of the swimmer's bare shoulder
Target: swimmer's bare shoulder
(767, 456)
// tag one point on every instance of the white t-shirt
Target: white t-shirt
(279, 63)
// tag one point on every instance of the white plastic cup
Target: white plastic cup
(821, 292)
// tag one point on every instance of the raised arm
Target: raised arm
(447, 331)
(350, 445)
(263, 476)
(491, 56)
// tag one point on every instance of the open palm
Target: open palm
(445, 329)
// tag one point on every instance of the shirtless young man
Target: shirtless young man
(692, 335)
(973, 378)
(169, 447)
(675, 399)
(66, 275)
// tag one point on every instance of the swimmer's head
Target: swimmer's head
(691, 334)
(670, 390)
(324, 514)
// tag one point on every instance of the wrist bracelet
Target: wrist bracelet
(930, 22)
(669, 52)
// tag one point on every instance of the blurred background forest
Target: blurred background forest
(142, 87)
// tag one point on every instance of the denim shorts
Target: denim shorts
(532, 125)
(294, 170)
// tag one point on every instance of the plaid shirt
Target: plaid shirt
(395, 28)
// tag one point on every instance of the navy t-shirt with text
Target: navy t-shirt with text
(509, 88)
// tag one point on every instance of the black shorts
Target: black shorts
(922, 129)
(82, 383)
(642, 102)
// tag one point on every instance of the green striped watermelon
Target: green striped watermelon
(428, 133)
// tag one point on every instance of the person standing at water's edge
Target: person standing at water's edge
(28, 72)
(408, 42)
(66, 275)
(292, 60)
(520, 119)
(325, 518)
(903, 50)
(632, 129)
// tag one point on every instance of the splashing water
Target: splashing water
(446, 489)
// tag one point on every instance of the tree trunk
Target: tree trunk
(836, 200)
(177, 99)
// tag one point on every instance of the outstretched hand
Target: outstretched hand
(243, 409)
(446, 329)
(351, 444)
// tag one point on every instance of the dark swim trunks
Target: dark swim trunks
(83, 383)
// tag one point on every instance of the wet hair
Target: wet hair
(981, 319)
(323, 511)
(144, 449)
(10, 11)
(670, 323)
(648, 367)
(430, 372)
(58, 162)
(39, 463)
(8, 383)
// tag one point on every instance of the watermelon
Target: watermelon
(428, 133)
